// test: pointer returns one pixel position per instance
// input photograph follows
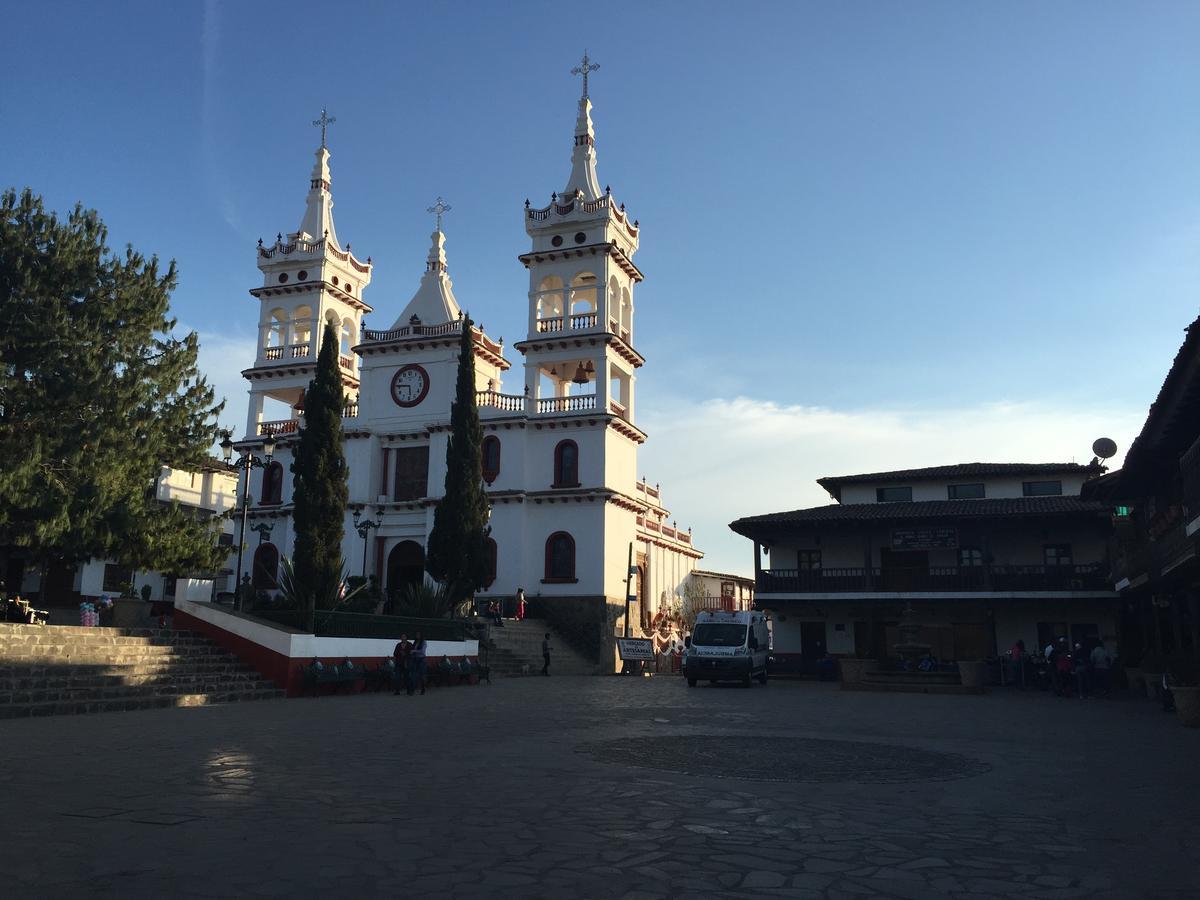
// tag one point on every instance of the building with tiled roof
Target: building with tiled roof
(986, 553)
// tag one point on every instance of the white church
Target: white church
(560, 439)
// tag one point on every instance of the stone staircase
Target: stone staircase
(63, 669)
(519, 645)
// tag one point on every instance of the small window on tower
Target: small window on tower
(556, 240)
(580, 237)
(283, 277)
(347, 287)
(302, 275)
(335, 281)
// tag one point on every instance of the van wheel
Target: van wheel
(691, 682)
(762, 677)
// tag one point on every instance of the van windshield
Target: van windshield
(714, 634)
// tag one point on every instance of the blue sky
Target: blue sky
(874, 235)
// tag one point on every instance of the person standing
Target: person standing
(401, 658)
(1101, 666)
(546, 654)
(417, 665)
(1080, 664)
(520, 604)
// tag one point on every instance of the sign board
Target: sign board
(636, 649)
(924, 538)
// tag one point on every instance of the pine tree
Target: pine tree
(96, 394)
(321, 491)
(457, 553)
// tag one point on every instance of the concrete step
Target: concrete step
(122, 704)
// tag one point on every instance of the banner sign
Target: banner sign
(924, 538)
(636, 649)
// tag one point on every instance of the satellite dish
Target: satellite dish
(1105, 448)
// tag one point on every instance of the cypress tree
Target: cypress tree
(457, 552)
(320, 478)
(96, 394)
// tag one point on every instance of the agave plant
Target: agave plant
(425, 600)
(328, 596)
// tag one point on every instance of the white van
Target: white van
(727, 646)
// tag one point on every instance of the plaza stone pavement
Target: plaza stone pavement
(607, 788)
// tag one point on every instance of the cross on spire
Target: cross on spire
(324, 122)
(439, 209)
(582, 69)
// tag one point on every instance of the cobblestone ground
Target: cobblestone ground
(607, 788)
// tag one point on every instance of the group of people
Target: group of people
(495, 609)
(1082, 669)
(409, 657)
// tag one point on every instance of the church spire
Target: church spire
(583, 157)
(434, 302)
(318, 211)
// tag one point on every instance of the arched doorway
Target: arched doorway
(265, 572)
(405, 566)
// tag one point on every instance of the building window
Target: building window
(169, 584)
(808, 560)
(969, 557)
(265, 574)
(1042, 488)
(492, 557)
(965, 491)
(566, 464)
(412, 473)
(116, 578)
(490, 451)
(272, 484)
(1057, 554)
(893, 494)
(560, 557)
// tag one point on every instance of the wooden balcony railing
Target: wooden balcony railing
(725, 604)
(934, 579)
(577, 403)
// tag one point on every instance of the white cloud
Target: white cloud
(722, 459)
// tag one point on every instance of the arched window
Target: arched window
(347, 335)
(490, 451)
(302, 325)
(560, 557)
(550, 297)
(583, 293)
(265, 574)
(626, 313)
(272, 484)
(566, 464)
(277, 329)
(492, 555)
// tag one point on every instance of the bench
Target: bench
(346, 673)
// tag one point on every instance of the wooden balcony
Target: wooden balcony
(935, 579)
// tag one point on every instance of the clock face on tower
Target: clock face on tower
(409, 386)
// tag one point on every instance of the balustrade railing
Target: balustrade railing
(1001, 578)
(503, 402)
(648, 489)
(370, 334)
(346, 362)
(577, 403)
(618, 409)
(284, 426)
(350, 411)
(583, 320)
(716, 604)
(299, 351)
(270, 353)
(550, 324)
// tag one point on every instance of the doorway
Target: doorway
(812, 646)
(405, 567)
(903, 570)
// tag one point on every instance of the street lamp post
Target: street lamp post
(247, 462)
(363, 527)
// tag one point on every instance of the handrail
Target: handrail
(281, 426)
(370, 334)
(505, 402)
(576, 403)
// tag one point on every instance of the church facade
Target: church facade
(571, 521)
